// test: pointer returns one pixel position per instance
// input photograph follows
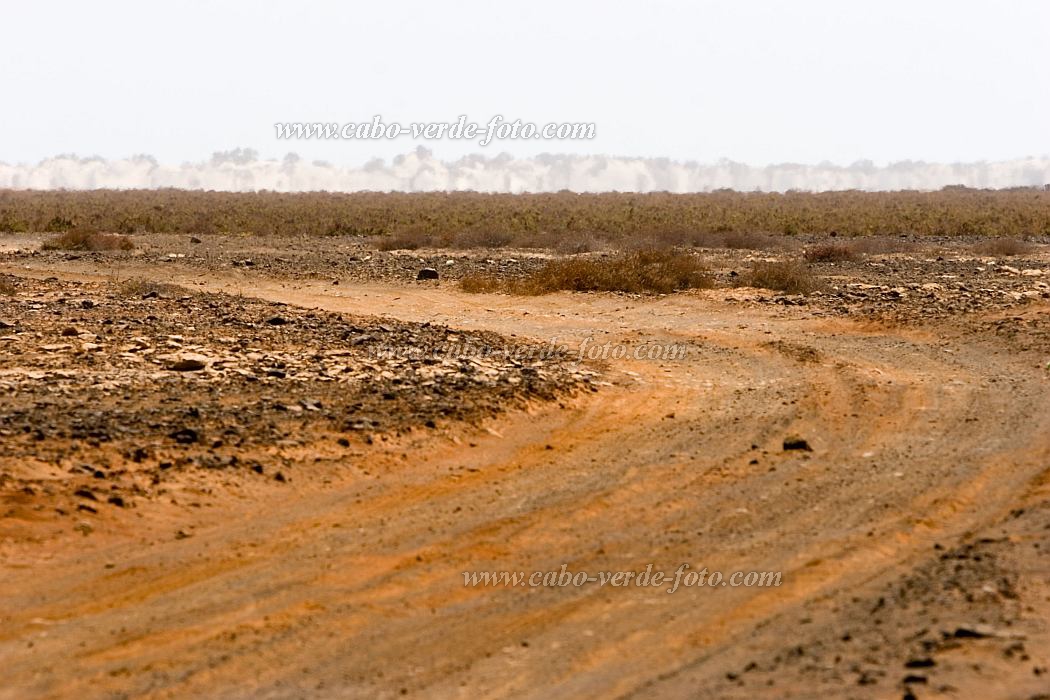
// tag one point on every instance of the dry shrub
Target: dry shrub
(482, 238)
(7, 287)
(1003, 246)
(636, 272)
(577, 245)
(88, 241)
(483, 284)
(141, 287)
(620, 219)
(830, 252)
(791, 276)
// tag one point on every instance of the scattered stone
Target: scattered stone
(187, 364)
(185, 436)
(427, 273)
(795, 442)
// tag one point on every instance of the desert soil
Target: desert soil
(220, 486)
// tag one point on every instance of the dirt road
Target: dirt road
(912, 538)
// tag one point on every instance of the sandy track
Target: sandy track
(356, 590)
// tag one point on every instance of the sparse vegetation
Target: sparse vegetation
(139, 287)
(830, 252)
(88, 241)
(470, 219)
(485, 284)
(7, 288)
(791, 276)
(1007, 247)
(637, 272)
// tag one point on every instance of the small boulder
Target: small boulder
(794, 442)
(187, 364)
(185, 436)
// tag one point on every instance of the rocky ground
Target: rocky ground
(114, 390)
(256, 469)
(930, 279)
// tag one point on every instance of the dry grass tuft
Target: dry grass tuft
(791, 276)
(484, 284)
(143, 287)
(88, 241)
(830, 252)
(1007, 247)
(636, 272)
(7, 288)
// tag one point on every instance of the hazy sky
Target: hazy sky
(759, 82)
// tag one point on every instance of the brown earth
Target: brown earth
(913, 537)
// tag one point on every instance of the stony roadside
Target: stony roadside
(934, 279)
(111, 388)
(920, 288)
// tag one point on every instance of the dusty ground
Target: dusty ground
(913, 539)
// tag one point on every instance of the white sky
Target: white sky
(758, 82)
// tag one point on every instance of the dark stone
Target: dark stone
(188, 365)
(185, 436)
(969, 633)
(796, 443)
(427, 273)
